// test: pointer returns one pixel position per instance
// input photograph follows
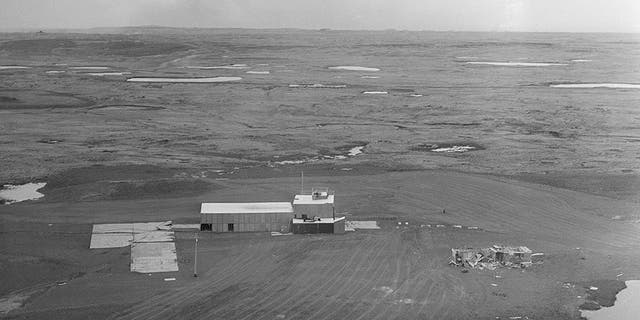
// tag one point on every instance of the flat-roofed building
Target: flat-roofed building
(246, 217)
(318, 225)
(318, 204)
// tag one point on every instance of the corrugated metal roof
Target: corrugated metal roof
(308, 199)
(246, 207)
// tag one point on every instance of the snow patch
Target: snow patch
(596, 85)
(516, 64)
(185, 80)
(354, 68)
(17, 193)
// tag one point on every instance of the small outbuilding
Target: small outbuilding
(318, 225)
(246, 217)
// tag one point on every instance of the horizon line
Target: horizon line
(76, 29)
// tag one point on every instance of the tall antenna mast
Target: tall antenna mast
(301, 182)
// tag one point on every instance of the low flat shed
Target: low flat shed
(319, 225)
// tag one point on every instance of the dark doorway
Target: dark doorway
(205, 227)
(230, 227)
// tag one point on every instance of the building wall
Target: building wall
(248, 222)
(314, 210)
(312, 228)
(338, 226)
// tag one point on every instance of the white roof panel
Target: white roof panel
(308, 199)
(246, 207)
(322, 220)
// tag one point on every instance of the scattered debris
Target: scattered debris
(492, 257)
(494, 285)
(593, 288)
(276, 233)
(405, 301)
(362, 225)
(169, 279)
(386, 290)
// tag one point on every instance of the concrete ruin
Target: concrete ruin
(492, 257)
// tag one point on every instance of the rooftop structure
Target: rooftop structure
(318, 204)
(310, 199)
(317, 220)
(246, 207)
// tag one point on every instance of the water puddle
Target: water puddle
(447, 147)
(454, 149)
(12, 302)
(350, 153)
(17, 193)
(581, 60)
(516, 64)
(101, 74)
(355, 151)
(185, 80)
(375, 92)
(228, 67)
(55, 71)
(258, 72)
(370, 77)
(13, 67)
(318, 85)
(89, 68)
(415, 95)
(626, 306)
(596, 85)
(354, 68)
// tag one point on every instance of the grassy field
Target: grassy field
(551, 169)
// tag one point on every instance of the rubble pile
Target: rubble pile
(494, 257)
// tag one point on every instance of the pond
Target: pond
(626, 307)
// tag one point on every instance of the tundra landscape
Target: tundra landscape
(525, 139)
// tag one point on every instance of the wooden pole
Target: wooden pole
(195, 259)
(301, 182)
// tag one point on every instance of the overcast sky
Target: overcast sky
(459, 15)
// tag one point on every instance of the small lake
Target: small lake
(17, 193)
(354, 68)
(626, 307)
(517, 64)
(185, 80)
(596, 85)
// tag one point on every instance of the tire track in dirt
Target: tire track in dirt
(221, 310)
(375, 269)
(229, 310)
(361, 253)
(150, 308)
(282, 275)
